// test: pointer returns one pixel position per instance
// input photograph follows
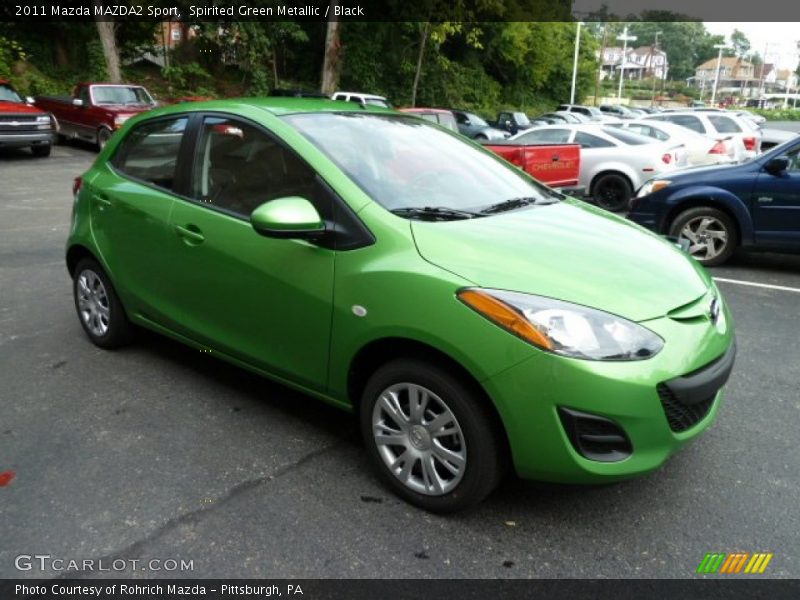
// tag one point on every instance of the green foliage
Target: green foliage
(779, 114)
(188, 79)
(11, 52)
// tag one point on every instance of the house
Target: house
(640, 63)
(736, 75)
(786, 80)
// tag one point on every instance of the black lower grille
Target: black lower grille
(595, 437)
(682, 416)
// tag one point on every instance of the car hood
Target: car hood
(19, 108)
(570, 251)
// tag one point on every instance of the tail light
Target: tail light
(749, 143)
(718, 148)
(667, 158)
(76, 186)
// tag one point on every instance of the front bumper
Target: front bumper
(38, 138)
(533, 398)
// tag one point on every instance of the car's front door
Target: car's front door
(130, 199)
(776, 204)
(263, 300)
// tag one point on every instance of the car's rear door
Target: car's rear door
(131, 197)
(262, 300)
(776, 204)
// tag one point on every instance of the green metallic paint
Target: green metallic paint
(286, 215)
(286, 308)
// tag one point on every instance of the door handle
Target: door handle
(556, 158)
(102, 200)
(764, 200)
(191, 234)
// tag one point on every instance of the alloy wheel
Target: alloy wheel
(707, 237)
(93, 303)
(419, 439)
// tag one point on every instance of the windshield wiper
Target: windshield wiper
(435, 212)
(520, 202)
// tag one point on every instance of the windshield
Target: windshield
(522, 118)
(403, 162)
(7, 94)
(120, 94)
(377, 102)
(476, 120)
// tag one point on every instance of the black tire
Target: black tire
(103, 135)
(42, 151)
(480, 439)
(612, 191)
(481, 138)
(720, 223)
(118, 331)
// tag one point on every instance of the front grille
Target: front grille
(682, 416)
(595, 437)
(11, 123)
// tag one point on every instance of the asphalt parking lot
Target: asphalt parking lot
(158, 451)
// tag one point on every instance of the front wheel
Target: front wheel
(41, 151)
(103, 135)
(612, 191)
(100, 312)
(431, 438)
(711, 234)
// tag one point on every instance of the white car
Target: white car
(363, 99)
(742, 140)
(614, 162)
(700, 149)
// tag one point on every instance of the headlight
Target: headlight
(120, 119)
(652, 186)
(562, 327)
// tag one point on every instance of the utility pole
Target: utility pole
(624, 38)
(719, 47)
(600, 70)
(575, 62)
(652, 69)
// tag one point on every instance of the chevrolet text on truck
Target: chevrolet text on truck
(96, 110)
(23, 125)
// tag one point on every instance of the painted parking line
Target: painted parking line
(769, 286)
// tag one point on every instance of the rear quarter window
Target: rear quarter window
(724, 124)
(150, 152)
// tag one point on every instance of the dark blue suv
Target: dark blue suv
(755, 205)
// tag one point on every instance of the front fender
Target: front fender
(708, 195)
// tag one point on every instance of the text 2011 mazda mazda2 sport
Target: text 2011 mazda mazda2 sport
(474, 319)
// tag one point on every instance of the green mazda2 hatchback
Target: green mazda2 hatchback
(475, 320)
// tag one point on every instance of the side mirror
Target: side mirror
(29, 99)
(288, 218)
(77, 102)
(777, 165)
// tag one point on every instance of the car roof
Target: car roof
(416, 109)
(363, 95)
(277, 105)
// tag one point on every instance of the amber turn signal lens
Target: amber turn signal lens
(505, 316)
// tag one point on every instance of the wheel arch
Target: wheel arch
(611, 171)
(712, 198)
(75, 254)
(378, 352)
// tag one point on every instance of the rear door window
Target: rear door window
(545, 136)
(687, 121)
(587, 140)
(150, 152)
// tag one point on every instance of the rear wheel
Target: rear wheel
(41, 151)
(711, 234)
(431, 438)
(100, 312)
(481, 138)
(612, 191)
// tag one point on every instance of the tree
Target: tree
(108, 39)
(331, 65)
(740, 44)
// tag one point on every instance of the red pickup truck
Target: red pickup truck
(22, 125)
(556, 165)
(96, 110)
